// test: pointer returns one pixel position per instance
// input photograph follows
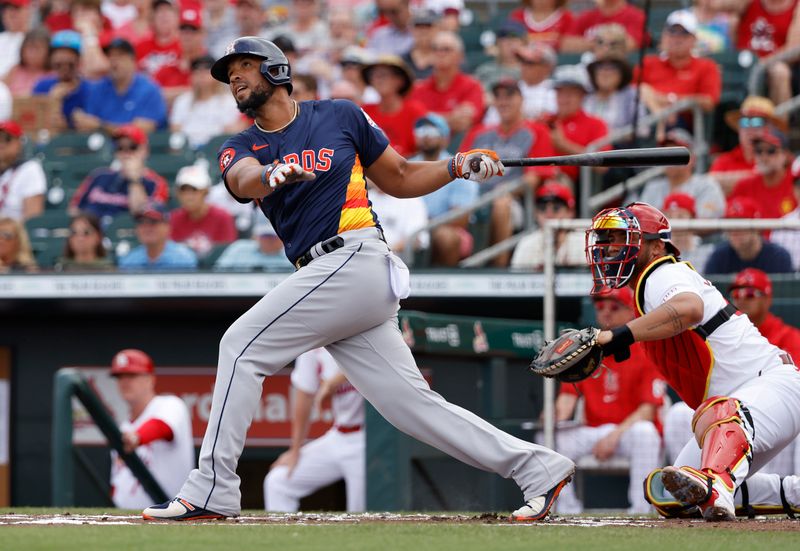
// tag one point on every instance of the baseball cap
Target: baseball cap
(511, 29)
(752, 277)
(535, 52)
(550, 190)
(506, 83)
(623, 295)
(17, 3)
(742, 207)
(770, 134)
(132, 132)
(131, 362)
(423, 16)
(157, 3)
(680, 201)
(682, 18)
(678, 136)
(194, 176)
(191, 17)
(153, 212)
(571, 75)
(396, 64)
(436, 121)
(11, 128)
(69, 40)
(119, 44)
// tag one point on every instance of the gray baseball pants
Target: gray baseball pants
(344, 301)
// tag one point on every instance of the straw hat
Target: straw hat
(756, 106)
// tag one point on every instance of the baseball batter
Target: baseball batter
(339, 453)
(745, 392)
(159, 429)
(305, 166)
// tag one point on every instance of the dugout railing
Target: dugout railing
(70, 383)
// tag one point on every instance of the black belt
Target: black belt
(716, 320)
(325, 247)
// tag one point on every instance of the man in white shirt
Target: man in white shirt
(400, 218)
(22, 183)
(339, 453)
(159, 428)
(16, 22)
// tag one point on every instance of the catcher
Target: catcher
(744, 391)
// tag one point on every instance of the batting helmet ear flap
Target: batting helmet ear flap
(277, 73)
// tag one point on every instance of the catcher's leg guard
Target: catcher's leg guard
(720, 425)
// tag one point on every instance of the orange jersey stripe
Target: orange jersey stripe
(356, 212)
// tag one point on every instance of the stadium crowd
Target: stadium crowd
(546, 77)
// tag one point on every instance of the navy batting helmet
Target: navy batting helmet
(275, 66)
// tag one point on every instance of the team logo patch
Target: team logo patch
(225, 158)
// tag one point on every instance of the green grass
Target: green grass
(390, 536)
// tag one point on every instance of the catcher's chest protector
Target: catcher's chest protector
(685, 360)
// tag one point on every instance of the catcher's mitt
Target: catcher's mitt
(570, 358)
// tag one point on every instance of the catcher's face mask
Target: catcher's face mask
(612, 246)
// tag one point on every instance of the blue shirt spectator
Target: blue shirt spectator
(457, 194)
(772, 259)
(66, 85)
(157, 251)
(122, 97)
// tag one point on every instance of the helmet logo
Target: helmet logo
(121, 360)
(230, 48)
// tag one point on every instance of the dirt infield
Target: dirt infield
(760, 524)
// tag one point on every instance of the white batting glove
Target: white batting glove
(477, 165)
(276, 175)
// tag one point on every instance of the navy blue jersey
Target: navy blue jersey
(336, 140)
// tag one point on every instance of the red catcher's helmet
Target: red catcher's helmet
(131, 362)
(640, 222)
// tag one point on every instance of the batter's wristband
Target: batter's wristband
(265, 177)
(451, 168)
(620, 343)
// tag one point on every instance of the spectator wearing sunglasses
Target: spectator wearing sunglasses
(751, 292)
(748, 121)
(746, 248)
(772, 184)
(84, 250)
(157, 251)
(452, 241)
(554, 201)
(125, 186)
(66, 86)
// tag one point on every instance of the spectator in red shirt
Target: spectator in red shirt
(571, 129)
(164, 48)
(732, 166)
(512, 137)
(174, 77)
(197, 223)
(579, 35)
(751, 292)
(675, 73)
(772, 186)
(396, 113)
(620, 409)
(448, 91)
(139, 28)
(769, 28)
(546, 20)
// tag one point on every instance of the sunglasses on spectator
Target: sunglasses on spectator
(768, 150)
(443, 48)
(426, 131)
(82, 233)
(677, 30)
(746, 292)
(7, 235)
(127, 148)
(67, 64)
(607, 305)
(550, 204)
(6, 138)
(609, 43)
(752, 122)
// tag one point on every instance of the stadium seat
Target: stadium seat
(48, 224)
(166, 142)
(121, 227)
(48, 250)
(207, 262)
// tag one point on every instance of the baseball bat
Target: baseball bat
(647, 156)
